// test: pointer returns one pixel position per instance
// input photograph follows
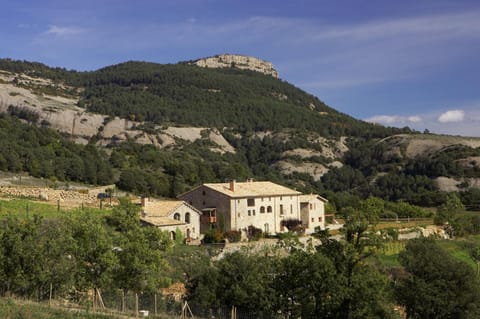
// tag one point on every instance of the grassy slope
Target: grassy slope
(13, 309)
(388, 256)
(25, 208)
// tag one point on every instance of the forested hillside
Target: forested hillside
(277, 131)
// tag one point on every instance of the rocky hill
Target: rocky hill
(165, 128)
(238, 61)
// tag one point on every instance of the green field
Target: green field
(458, 248)
(14, 309)
(24, 208)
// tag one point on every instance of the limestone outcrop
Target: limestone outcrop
(238, 61)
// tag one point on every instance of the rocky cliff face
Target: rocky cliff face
(62, 114)
(238, 61)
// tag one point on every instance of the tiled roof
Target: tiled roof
(161, 221)
(161, 208)
(252, 189)
(308, 197)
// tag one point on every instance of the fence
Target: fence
(405, 219)
(149, 305)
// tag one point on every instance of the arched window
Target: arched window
(176, 216)
(262, 209)
(187, 218)
(269, 209)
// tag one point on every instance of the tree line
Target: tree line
(336, 279)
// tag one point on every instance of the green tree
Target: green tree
(447, 211)
(438, 286)
(94, 255)
(306, 286)
(363, 291)
(140, 266)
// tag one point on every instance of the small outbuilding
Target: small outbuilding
(171, 215)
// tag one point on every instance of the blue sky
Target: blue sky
(398, 63)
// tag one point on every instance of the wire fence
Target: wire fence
(150, 305)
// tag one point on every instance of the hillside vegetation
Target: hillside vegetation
(274, 130)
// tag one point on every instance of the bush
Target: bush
(254, 233)
(293, 225)
(213, 236)
(233, 236)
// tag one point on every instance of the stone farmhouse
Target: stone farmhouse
(171, 215)
(237, 205)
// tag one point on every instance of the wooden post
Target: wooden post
(155, 302)
(94, 298)
(136, 305)
(50, 297)
(123, 300)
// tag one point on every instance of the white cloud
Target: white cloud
(383, 119)
(414, 119)
(446, 25)
(437, 122)
(63, 31)
(452, 116)
(394, 119)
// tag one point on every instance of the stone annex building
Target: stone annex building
(171, 215)
(262, 204)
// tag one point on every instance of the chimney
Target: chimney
(232, 185)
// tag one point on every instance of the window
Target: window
(320, 219)
(203, 193)
(291, 209)
(281, 209)
(266, 228)
(249, 212)
(311, 206)
(253, 212)
(176, 216)
(280, 197)
(269, 209)
(262, 210)
(250, 202)
(313, 220)
(187, 218)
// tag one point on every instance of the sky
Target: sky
(397, 63)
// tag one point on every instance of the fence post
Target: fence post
(136, 305)
(50, 297)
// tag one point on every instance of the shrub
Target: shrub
(254, 233)
(294, 225)
(291, 223)
(213, 236)
(233, 236)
